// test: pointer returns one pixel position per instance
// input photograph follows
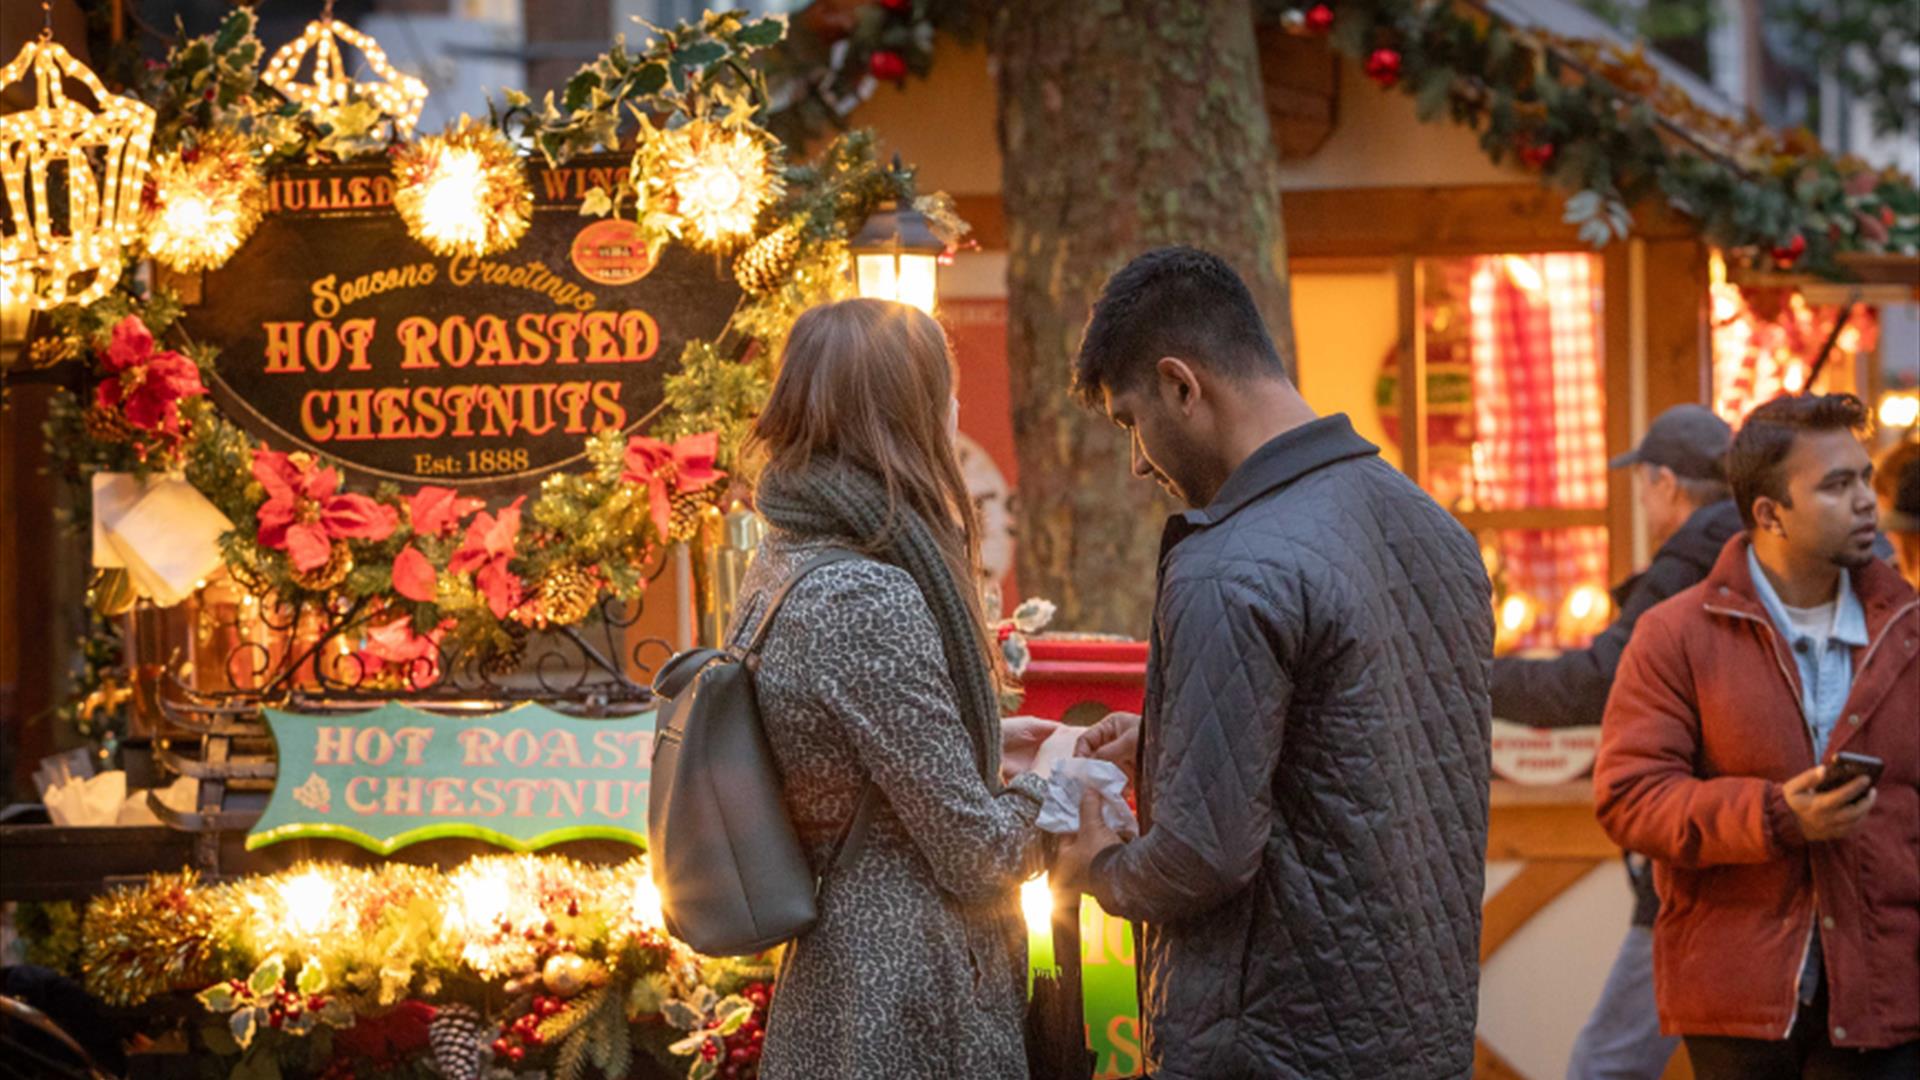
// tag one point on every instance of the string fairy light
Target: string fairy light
(394, 92)
(66, 246)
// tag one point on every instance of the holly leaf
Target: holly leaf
(731, 1013)
(267, 977)
(690, 1045)
(699, 56)
(312, 980)
(765, 32)
(516, 99)
(681, 1015)
(580, 89)
(650, 78)
(244, 1024)
(218, 998)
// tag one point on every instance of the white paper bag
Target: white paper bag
(169, 540)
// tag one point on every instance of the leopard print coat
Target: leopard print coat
(917, 965)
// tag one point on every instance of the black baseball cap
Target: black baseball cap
(1689, 439)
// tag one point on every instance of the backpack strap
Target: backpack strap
(825, 558)
(854, 837)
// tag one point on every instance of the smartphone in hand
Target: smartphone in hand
(1846, 766)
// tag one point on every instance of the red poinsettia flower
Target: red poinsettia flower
(437, 511)
(413, 575)
(144, 385)
(394, 644)
(305, 512)
(669, 469)
(390, 1036)
(486, 553)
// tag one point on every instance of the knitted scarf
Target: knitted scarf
(836, 502)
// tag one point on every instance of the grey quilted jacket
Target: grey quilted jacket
(1313, 777)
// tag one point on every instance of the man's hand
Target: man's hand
(1115, 738)
(1828, 815)
(1071, 862)
(1020, 739)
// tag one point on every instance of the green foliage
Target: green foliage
(1872, 46)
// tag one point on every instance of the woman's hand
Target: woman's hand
(1020, 739)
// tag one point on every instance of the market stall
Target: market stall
(381, 440)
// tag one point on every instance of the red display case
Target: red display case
(1082, 681)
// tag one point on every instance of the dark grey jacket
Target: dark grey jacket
(1313, 777)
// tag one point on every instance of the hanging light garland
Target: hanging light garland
(204, 202)
(399, 95)
(66, 246)
(465, 192)
(720, 183)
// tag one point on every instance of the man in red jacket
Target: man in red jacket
(1789, 941)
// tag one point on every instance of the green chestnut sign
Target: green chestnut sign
(521, 779)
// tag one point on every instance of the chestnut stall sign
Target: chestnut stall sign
(341, 335)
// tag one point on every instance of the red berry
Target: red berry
(550, 928)
(1537, 154)
(709, 1050)
(573, 908)
(1787, 254)
(516, 1053)
(887, 65)
(1319, 18)
(897, 5)
(1383, 67)
(534, 1038)
(501, 1046)
(739, 1056)
(1886, 216)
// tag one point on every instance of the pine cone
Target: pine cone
(565, 595)
(768, 260)
(108, 425)
(328, 574)
(459, 1038)
(685, 508)
(504, 660)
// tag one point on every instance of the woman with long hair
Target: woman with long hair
(878, 670)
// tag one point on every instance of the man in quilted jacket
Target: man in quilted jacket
(1788, 941)
(1311, 767)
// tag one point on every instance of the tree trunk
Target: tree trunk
(1125, 125)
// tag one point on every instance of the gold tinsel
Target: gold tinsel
(721, 179)
(249, 577)
(328, 574)
(564, 595)
(768, 260)
(147, 940)
(207, 198)
(464, 192)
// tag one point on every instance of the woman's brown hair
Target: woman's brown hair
(870, 384)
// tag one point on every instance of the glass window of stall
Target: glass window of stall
(1484, 377)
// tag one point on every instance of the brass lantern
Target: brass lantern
(71, 177)
(896, 257)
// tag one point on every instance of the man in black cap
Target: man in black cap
(1680, 481)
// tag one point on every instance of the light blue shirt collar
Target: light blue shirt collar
(1849, 618)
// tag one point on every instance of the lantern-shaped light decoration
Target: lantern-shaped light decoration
(395, 93)
(896, 257)
(72, 177)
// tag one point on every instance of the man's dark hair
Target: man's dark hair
(1762, 444)
(1173, 301)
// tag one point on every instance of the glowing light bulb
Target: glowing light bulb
(1899, 410)
(1516, 613)
(644, 908)
(481, 900)
(309, 900)
(450, 209)
(1036, 903)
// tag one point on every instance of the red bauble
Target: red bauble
(1383, 66)
(1537, 154)
(1319, 18)
(887, 65)
(1789, 253)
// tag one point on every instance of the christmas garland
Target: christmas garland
(1591, 118)
(505, 965)
(418, 574)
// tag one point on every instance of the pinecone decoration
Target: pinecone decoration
(459, 1038)
(768, 260)
(504, 659)
(108, 425)
(328, 574)
(684, 510)
(565, 595)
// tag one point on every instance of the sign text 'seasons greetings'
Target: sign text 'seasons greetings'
(341, 335)
(521, 779)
